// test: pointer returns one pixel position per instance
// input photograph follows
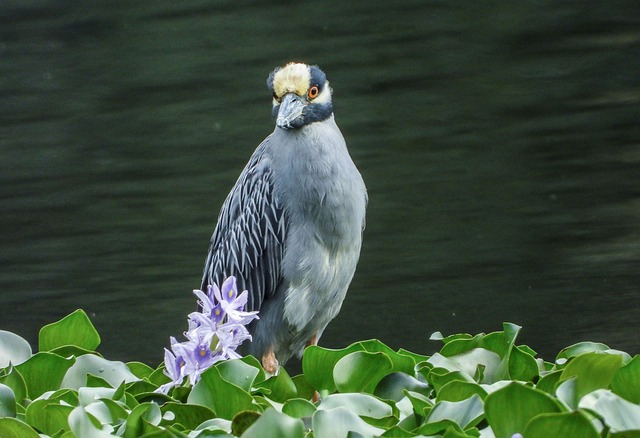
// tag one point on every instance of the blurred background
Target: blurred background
(500, 143)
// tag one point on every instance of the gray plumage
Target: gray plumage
(290, 230)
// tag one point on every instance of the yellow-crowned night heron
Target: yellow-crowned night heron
(290, 230)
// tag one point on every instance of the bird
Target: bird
(290, 230)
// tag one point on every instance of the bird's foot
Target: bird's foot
(269, 362)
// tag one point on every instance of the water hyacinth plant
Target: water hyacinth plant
(214, 334)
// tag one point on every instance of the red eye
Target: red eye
(313, 92)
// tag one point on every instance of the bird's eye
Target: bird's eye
(275, 96)
(313, 92)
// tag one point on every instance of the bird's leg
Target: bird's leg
(313, 340)
(269, 361)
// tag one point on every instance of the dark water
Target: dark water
(500, 142)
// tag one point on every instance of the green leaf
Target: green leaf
(421, 404)
(338, 422)
(14, 380)
(580, 348)
(592, 371)
(564, 424)
(617, 413)
(140, 370)
(469, 362)
(74, 329)
(465, 413)
(207, 393)
(522, 366)
(273, 424)
(392, 386)
(626, 382)
(242, 421)
(48, 416)
(401, 362)
(298, 408)
(13, 349)
(143, 419)
(549, 381)
(509, 409)
(7, 402)
(113, 372)
(83, 425)
(457, 390)
(189, 415)
(13, 428)
(280, 387)
(363, 405)
(361, 371)
(43, 372)
(238, 372)
(318, 364)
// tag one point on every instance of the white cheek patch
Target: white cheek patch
(325, 94)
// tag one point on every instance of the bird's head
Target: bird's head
(301, 95)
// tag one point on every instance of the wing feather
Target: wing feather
(249, 236)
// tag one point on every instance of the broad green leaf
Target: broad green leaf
(469, 362)
(280, 387)
(549, 381)
(421, 403)
(190, 416)
(13, 428)
(564, 424)
(509, 409)
(522, 366)
(457, 390)
(363, 405)
(401, 362)
(43, 372)
(439, 377)
(7, 402)
(626, 382)
(461, 345)
(139, 369)
(238, 372)
(13, 349)
(303, 387)
(465, 413)
(392, 386)
(273, 424)
(580, 348)
(83, 425)
(592, 371)
(14, 380)
(338, 422)
(74, 329)
(361, 371)
(318, 364)
(242, 421)
(207, 393)
(143, 419)
(48, 416)
(617, 413)
(398, 432)
(88, 395)
(214, 425)
(436, 428)
(113, 372)
(298, 408)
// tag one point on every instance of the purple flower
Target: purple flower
(174, 369)
(213, 334)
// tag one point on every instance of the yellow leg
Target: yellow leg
(269, 362)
